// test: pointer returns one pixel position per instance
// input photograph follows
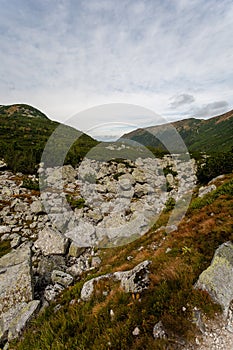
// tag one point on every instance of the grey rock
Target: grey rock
(51, 242)
(15, 240)
(95, 261)
(217, 279)
(5, 237)
(47, 264)
(136, 331)
(36, 207)
(16, 281)
(125, 183)
(135, 280)
(75, 250)
(15, 320)
(158, 331)
(88, 287)
(83, 235)
(51, 292)
(139, 175)
(206, 189)
(4, 229)
(62, 278)
(21, 207)
(77, 269)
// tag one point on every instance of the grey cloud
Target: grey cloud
(211, 109)
(81, 53)
(181, 99)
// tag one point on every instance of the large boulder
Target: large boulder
(217, 279)
(15, 278)
(88, 287)
(51, 242)
(134, 281)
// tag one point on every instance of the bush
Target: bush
(31, 184)
(221, 163)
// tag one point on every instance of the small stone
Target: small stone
(15, 241)
(129, 258)
(112, 314)
(51, 291)
(5, 237)
(95, 261)
(57, 308)
(158, 331)
(4, 229)
(136, 331)
(62, 278)
(168, 250)
(75, 250)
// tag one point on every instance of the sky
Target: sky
(172, 57)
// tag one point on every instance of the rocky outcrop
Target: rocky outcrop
(217, 279)
(134, 281)
(51, 232)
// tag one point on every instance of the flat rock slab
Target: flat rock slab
(14, 320)
(15, 278)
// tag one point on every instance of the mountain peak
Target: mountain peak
(24, 110)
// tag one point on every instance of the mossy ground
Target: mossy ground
(170, 297)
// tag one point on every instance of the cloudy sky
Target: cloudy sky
(174, 57)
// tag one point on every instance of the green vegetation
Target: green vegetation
(31, 184)
(23, 138)
(214, 165)
(75, 202)
(170, 204)
(225, 190)
(5, 247)
(168, 170)
(170, 298)
(198, 135)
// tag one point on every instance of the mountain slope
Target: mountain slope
(24, 131)
(211, 135)
(109, 319)
(23, 110)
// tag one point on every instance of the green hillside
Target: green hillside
(24, 131)
(210, 135)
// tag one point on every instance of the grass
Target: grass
(170, 297)
(5, 247)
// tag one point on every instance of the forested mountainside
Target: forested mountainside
(24, 131)
(199, 135)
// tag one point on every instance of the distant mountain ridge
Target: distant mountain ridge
(202, 135)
